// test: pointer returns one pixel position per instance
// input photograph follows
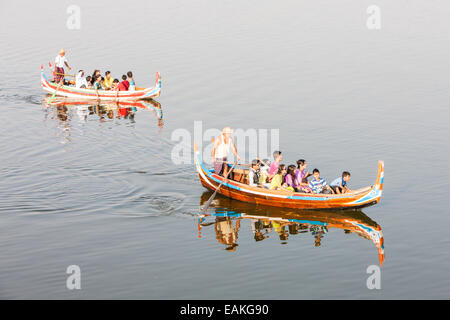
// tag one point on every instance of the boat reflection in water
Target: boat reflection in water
(226, 215)
(64, 109)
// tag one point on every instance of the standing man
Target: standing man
(221, 147)
(60, 61)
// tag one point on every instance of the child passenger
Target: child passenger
(289, 178)
(318, 184)
(131, 80)
(339, 185)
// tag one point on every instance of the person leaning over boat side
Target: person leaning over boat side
(132, 86)
(80, 80)
(60, 61)
(97, 85)
(318, 184)
(254, 173)
(339, 185)
(221, 147)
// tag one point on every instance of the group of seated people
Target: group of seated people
(276, 176)
(98, 82)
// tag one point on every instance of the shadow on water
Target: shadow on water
(226, 215)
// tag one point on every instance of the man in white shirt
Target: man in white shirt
(60, 61)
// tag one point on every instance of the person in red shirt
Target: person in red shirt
(118, 86)
(125, 82)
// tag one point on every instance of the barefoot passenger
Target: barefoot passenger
(339, 185)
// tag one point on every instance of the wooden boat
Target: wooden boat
(236, 188)
(72, 92)
(354, 221)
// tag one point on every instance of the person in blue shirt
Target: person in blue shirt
(318, 184)
(339, 185)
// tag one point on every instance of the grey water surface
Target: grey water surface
(103, 192)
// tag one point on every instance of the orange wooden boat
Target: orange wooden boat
(236, 188)
(351, 221)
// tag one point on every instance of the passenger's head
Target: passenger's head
(116, 81)
(282, 169)
(130, 74)
(277, 156)
(255, 164)
(107, 74)
(62, 52)
(124, 77)
(345, 175)
(316, 173)
(96, 73)
(88, 78)
(291, 170)
(301, 164)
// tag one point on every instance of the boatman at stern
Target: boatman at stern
(60, 61)
(221, 148)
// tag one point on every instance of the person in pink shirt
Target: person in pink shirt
(277, 156)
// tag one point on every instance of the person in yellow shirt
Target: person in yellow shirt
(107, 83)
(277, 181)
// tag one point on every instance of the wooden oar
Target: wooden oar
(54, 93)
(215, 192)
(68, 75)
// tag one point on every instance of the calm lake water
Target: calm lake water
(103, 193)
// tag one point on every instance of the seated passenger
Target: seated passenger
(277, 180)
(80, 80)
(125, 82)
(131, 80)
(277, 156)
(264, 172)
(253, 174)
(339, 185)
(97, 85)
(302, 177)
(289, 178)
(318, 184)
(107, 83)
(89, 82)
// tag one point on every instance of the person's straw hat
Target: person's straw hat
(227, 130)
